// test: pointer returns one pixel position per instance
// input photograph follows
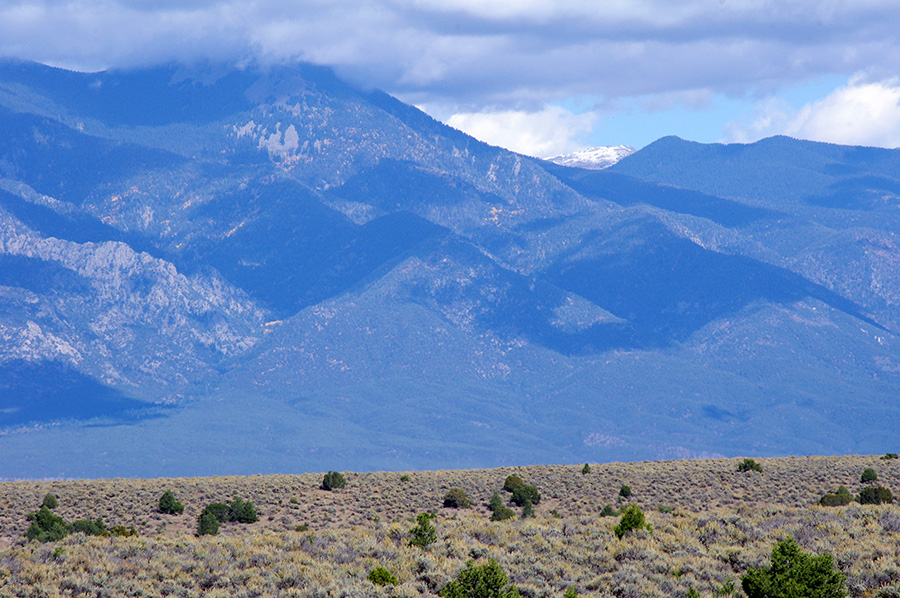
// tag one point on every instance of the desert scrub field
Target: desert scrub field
(709, 524)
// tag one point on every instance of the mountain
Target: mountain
(213, 270)
(593, 158)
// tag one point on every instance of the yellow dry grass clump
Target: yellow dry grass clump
(709, 524)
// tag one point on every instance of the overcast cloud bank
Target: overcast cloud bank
(502, 68)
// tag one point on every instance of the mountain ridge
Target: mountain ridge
(338, 269)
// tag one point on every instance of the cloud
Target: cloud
(473, 51)
(859, 113)
(551, 131)
(514, 55)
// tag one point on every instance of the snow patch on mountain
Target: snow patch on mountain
(593, 158)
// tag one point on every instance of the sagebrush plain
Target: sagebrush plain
(710, 523)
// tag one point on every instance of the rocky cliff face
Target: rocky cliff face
(271, 270)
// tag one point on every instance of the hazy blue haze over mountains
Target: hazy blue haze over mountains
(208, 271)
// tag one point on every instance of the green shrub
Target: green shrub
(608, 511)
(242, 511)
(168, 505)
(499, 511)
(794, 574)
(868, 475)
(512, 482)
(586, 469)
(480, 581)
(502, 514)
(527, 510)
(838, 498)
(404, 478)
(382, 577)
(122, 531)
(523, 494)
(875, 495)
(89, 528)
(889, 456)
(207, 524)
(749, 465)
(46, 527)
(457, 499)
(50, 501)
(220, 511)
(625, 491)
(632, 519)
(215, 513)
(570, 593)
(423, 533)
(333, 480)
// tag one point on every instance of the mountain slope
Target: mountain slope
(267, 269)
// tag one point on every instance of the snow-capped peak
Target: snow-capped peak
(593, 158)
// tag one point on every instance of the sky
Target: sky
(540, 77)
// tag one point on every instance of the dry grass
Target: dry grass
(723, 523)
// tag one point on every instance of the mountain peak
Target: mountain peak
(593, 158)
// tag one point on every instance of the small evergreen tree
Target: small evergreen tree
(527, 510)
(50, 501)
(207, 524)
(242, 511)
(499, 511)
(608, 511)
(838, 498)
(523, 494)
(875, 495)
(220, 511)
(512, 482)
(239, 511)
(46, 527)
(502, 514)
(90, 528)
(632, 519)
(333, 480)
(625, 491)
(794, 574)
(423, 533)
(168, 505)
(749, 465)
(484, 581)
(586, 469)
(868, 476)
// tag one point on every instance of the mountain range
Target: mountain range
(211, 270)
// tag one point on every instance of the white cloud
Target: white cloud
(859, 113)
(483, 52)
(470, 54)
(547, 132)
